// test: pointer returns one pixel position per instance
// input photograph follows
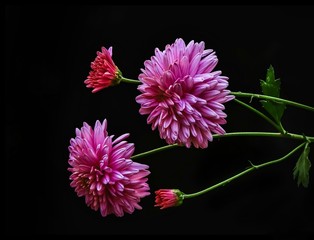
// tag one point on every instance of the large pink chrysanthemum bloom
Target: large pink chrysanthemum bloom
(103, 172)
(104, 72)
(182, 94)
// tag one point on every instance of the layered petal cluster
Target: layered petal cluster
(182, 95)
(166, 198)
(102, 171)
(104, 72)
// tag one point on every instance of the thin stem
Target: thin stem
(154, 151)
(288, 102)
(280, 129)
(232, 134)
(264, 134)
(128, 80)
(283, 131)
(254, 167)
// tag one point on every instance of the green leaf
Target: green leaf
(302, 167)
(271, 87)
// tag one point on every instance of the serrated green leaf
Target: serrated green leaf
(275, 109)
(271, 87)
(302, 167)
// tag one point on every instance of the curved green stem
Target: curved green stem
(278, 127)
(261, 96)
(232, 134)
(156, 150)
(283, 131)
(128, 80)
(264, 134)
(253, 167)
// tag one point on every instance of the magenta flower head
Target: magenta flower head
(103, 172)
(182, 95)
(104, 72)
(166, 198)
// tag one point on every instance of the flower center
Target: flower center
(85, 183)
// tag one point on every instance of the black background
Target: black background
(48, 53)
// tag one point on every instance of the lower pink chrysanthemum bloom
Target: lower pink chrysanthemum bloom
(104, 72)
(103, 172)
(182, 95)
(166, 198)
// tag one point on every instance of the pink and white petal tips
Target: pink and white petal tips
(102, 171)
(104, 72)
(182, 95)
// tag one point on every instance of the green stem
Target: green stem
(288, 102)
(254, 167)
(232, 134)
(154, 151)
(264, 134)
(280, 129)
(283, 131)
(128, 80)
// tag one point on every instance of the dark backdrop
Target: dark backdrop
(48, 51)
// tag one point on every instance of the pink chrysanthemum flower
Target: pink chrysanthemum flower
(166, 198)
(182, 95)
(103, 172)
(104, 72)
